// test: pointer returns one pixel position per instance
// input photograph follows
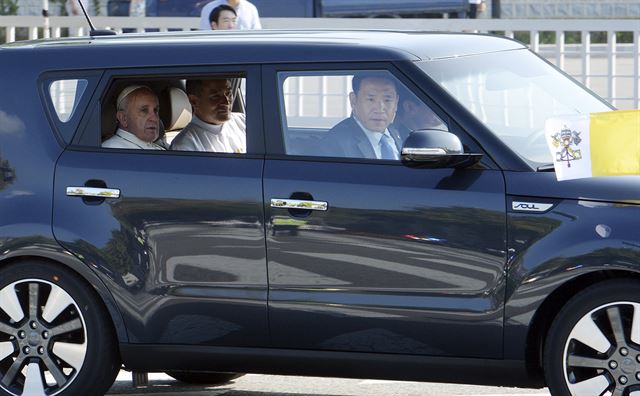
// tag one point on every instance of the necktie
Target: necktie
(387, 148)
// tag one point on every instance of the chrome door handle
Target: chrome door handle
(298, 204)
(93, 192)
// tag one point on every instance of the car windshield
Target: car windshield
(513, 93)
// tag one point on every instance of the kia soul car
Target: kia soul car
(461, 259)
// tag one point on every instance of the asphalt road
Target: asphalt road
(269, 385)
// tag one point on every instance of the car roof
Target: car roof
(264, 46)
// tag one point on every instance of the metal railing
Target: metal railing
(609, 67)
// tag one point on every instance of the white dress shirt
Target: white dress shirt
(230, 137)
(127, 140)
(375, 137)
(248, 17)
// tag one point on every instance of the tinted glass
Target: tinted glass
(317, 107)
(513, 93)
(203, 114)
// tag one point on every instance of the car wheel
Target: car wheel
(55, 338)
(208, 378)
(593, 345)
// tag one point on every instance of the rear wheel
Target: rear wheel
(55, 338)
(593, 345)
(209, 378)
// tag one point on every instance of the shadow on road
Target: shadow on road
(173, 387)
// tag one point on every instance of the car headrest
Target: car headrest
(175, 109)
(108, 119)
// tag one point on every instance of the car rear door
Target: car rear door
(181, 246)
(391, 259)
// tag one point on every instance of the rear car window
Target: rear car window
(65, 96)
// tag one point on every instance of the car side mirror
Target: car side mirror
(433, 148)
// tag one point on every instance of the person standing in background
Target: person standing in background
(223, 17)
(248, 17)
(476, 7)
(137, 8)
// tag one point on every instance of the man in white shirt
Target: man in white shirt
(138, 121)
(223, 17)
(214, 127)
(248, 17)
(476, 7)
(365, 134)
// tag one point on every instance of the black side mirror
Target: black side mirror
(433, 148)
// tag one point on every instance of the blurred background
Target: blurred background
(591, 9)
(595, 41)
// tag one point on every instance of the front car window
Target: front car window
(513, 93)
(327, 114)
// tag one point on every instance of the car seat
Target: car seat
(175, 113)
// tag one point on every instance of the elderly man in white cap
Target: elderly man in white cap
(138, 121)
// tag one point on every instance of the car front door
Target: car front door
(376, 256)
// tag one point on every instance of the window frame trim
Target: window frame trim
(66, 131)
(405, 71)
(274, 73)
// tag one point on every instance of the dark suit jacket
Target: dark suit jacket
(347, 139)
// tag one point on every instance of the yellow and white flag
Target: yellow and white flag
(598, 144)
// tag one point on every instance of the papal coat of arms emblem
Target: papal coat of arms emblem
(567, 142)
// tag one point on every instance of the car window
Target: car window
(354, 114)
(513, 93)
(65, 96)
(196, 114)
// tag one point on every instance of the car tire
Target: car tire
(593, 344)
(55, 336)
(203, 378)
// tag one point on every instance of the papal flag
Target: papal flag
(597, 144)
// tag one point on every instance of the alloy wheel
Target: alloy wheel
(43, 338)
(602, 353)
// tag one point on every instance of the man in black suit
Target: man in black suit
(365, 134)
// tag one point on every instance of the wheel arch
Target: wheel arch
(548, 310)
(88, 276)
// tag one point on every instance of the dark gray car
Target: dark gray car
(461, 260)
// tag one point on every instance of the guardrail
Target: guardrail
(609, 67)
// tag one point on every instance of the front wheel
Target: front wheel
(593, 345)
(55, 338)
